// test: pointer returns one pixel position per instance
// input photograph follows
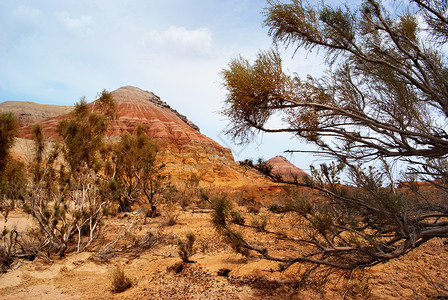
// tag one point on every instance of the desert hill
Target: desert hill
(281, 166)
(148, 250)
(184, 150)
(136, 107)
(30, 113)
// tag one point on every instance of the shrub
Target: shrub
(260, 222)
(186, 247)
(171, 214)
(237, 217)
(120, 282)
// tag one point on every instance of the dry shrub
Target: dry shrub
(260, 222)
(185, 248)
(250, 198)
(5, 259)
(7, 241)
(120, 282)
(358, 286)
(237, 217)
(171, 214)
(15, 245)
(189, 193)
(149, 240)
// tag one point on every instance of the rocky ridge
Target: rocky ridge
(30, 113)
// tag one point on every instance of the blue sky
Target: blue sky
(55, 52)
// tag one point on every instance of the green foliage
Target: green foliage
(39, 144)
(322, 220)
(134, 173)
(106, 105)
(13, 180)
(221, 212)
(236, 240)
(83, 137)
(67, 198)
(8, 132)
(12, 175)
(262, 167)
(275, 208)
(222, 215)
(237, 217)
(83, 133)
(260, 222)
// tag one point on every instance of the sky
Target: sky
(56, 52)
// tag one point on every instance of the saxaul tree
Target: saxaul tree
(11, 175)
(67, 196)
(12, 182)
(134, 173)
(381, 104)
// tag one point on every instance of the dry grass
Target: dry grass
(120, 282)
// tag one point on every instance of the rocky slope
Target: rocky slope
(184, 149)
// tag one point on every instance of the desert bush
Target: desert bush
(149, 240)
(358, 286)
(12, 175)
(237, 217)
(133, 172)
(275, 207)
(260, 222)
(250, 198)
(186, 248)
(381, 105)
(222, 212)
(66, 196)
(8, 242)
(12, 189)
(120, 282)
(123, 240)
(189, 193)
(8, 133)
(171, 214)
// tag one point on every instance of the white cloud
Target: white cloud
(80, 27)
(67, 49)
(179, 40)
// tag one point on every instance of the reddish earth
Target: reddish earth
(281, 166)
(184, 150)
(137, 107)
(156, 272)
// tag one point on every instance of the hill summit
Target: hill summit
(281, 166)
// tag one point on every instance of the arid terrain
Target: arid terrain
(147, 249)
(157, 272)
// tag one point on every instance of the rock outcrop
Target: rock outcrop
(281, 166)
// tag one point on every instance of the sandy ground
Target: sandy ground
(157, 273)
